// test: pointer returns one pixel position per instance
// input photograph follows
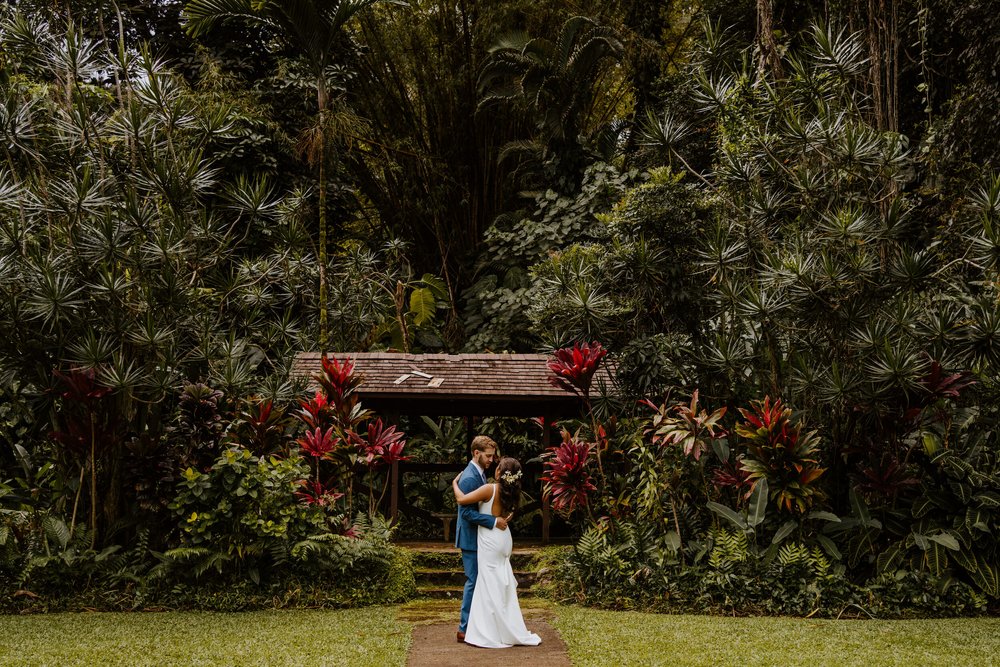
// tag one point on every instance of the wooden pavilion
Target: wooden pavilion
(464, 385)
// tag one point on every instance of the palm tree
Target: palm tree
(314, 29)
(557, 80)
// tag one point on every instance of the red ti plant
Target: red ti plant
(315, 413)
(339, 384)
(574, 367)
(778, 451)
(383, 446)
(731, 475)
(261, 427)
(687, 426)
(314, 493)
(566, 478)
(318, 444)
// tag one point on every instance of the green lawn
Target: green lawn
(370, 636)
(376, 636)
(632, 638)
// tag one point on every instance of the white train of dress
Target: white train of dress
(495, 619)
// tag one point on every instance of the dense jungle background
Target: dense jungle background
(781, 221)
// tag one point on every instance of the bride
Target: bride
(495, 619)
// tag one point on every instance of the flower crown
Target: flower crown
(510, 477)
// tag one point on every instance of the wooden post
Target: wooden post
(546, 510)
(394, 493)
(393, 418)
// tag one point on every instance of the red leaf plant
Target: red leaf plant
(318, 443)
(316, 412)
(566, 478)
(338, 379)
(731, 475)
(574, 367)
(314, 493)
(339, 383)
(939, 385)
(778, 451)
(261, 426)
(687, 426)
(382, 446)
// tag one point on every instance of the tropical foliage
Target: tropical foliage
(775, 220)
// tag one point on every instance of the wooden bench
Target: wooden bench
(446, 520)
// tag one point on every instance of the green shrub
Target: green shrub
(800, 581)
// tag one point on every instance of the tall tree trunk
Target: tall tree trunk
(883, 56)
(323, 324)
(769, 59)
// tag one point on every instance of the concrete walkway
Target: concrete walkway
(434, 645)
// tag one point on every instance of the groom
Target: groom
(474, 476)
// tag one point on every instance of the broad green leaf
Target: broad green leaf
(422, 305)
(937, 559)
(728, 513)
(921, 541)
(922, 506)
(982, 573)
(944, 583)
(978, 519)
(758, 503)
(828, 546)
(673, 540)
(988, 499)
(889, 558)
(826, 516)
(721, 449)
(962, 490)
(946, 540)
(783, 532)
(931, 443)
(436, 285)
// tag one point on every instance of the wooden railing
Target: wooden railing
(410, 467)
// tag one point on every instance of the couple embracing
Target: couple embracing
(491, 616)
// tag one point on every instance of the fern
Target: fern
(730, 547)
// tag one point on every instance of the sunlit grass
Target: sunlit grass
(370, 636)
(631, 638)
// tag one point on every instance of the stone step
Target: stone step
(440, 577)
(451, 558)
(455, 593)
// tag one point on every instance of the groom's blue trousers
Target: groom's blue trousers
(470, 562)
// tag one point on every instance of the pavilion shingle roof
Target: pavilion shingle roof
(439, 379)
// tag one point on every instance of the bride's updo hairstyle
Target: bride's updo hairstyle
(508, 476)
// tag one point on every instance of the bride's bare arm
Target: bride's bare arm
(479, 495)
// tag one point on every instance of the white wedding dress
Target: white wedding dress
(495, 619)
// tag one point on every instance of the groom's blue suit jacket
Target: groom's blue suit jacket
(468, 516)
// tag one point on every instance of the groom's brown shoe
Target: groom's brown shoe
(461, 636)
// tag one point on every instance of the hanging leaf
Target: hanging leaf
(937, 559)
(946, 540)
(889, 559)
(725, 512)
(783, 532)
(758, 503)
(422, 305)
(436, 285)
(828, 546)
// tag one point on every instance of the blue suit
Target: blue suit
(466, 537)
